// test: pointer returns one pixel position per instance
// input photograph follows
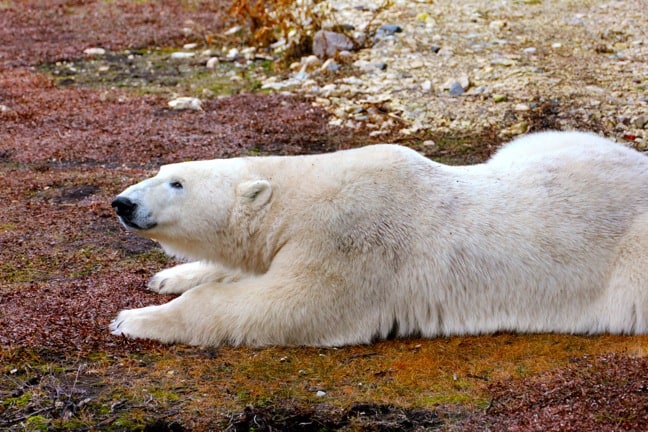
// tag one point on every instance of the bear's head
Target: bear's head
(196, 210)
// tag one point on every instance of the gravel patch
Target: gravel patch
(465, 67)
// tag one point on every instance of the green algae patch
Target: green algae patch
(161, 72)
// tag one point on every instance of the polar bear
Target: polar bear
(551, 235)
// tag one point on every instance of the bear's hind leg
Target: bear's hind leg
(184, 277)
(626, 303)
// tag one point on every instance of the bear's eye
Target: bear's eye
(175, 184)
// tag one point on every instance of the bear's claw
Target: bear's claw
(114, 327)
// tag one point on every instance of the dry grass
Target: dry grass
(203, 388)
(268, 21)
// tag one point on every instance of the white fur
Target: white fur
(551, 235)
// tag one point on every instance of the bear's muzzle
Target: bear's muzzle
(127, 211)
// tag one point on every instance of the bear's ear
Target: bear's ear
(255, 192)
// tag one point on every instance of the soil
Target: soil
(68, 145)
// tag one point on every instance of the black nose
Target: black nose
(124, 207)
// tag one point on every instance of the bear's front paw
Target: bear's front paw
(126, 324)
(168, 282)
(146, 323)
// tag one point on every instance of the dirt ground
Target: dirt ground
(67, 267)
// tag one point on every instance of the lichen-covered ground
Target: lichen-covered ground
(69, 143)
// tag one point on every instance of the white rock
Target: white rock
(360, 37)
(353, 81)
(189, 46)
(232, 53)
(212, 62)
(497, 25)
(329, 65)
(233, 30)
(280, 44)
(310, 63)
(464, 81)
(249, 52)
(183, 103)
(328, 89)
(345, 56)
(310, 85)
(502, 61)
(301, 75)
(416, 64)
(320, 393)
(426, 86)
(95, 51)
(364, 65)
(182, 55)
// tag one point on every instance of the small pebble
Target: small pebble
(345, 56)
(94, 51)
(386, 31)
(330, 65)
(310, 61)
(320, 393)
(212, 62)
(497, 25)
(499, 98)
(456, 89)
(182, 55)
(390, 29)
(233, 30)
(416, 64)
(640, 122)
(359, 37)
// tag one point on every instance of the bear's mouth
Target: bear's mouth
(133, 226)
